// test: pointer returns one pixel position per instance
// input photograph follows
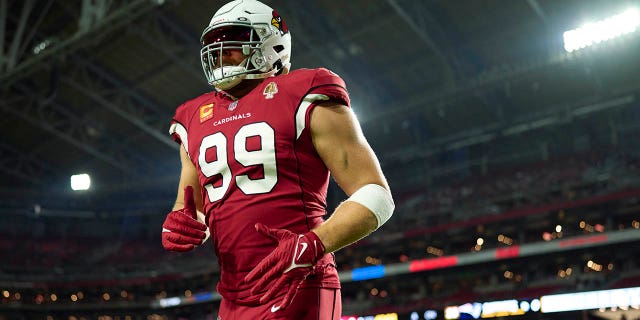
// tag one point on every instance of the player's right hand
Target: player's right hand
(181, 231)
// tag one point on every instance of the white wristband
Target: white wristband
(206, 236)
(377, 199)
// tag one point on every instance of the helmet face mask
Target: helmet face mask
(254, 29)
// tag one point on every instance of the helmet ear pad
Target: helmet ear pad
(258, 61)
(276, 53)
(270, 55)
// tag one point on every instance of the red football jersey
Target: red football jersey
(256, 163)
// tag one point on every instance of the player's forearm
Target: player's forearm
(349, 223)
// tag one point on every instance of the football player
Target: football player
(256, 157)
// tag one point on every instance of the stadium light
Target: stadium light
(603, 30)
(80, 182)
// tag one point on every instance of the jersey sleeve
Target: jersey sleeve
(325, 86)
(331, 85)
(178, 125)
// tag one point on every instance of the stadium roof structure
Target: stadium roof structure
(90, 86)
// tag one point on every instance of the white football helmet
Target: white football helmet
(255, 29)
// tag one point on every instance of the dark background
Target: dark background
(473, 108)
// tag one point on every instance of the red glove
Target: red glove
(181, 231)
(287, 265)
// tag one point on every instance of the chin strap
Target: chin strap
(229, 80)
(260, 75)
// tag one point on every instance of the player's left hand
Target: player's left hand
(287, 265)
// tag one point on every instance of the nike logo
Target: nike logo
(304, 247)
(275, 308)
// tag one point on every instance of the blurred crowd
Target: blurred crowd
(586, 193)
